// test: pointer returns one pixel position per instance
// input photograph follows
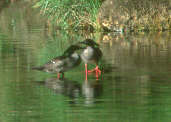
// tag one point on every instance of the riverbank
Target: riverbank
(108, 15)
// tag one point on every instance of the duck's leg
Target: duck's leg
(58, 75)
(86, 70)
(96, 69)
(97, 75)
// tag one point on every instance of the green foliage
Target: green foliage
(70, 13)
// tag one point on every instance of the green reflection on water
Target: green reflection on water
(135, 85)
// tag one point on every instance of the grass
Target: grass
(73, 14)
(133, 15)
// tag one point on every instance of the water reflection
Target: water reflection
(66, 87)
(89, 90)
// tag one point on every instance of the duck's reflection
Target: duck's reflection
(89, 90)
(66, 87)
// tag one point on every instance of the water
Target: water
(134, 87)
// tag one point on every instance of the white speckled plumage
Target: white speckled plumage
(67, 61)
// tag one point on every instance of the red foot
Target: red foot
(97, 70)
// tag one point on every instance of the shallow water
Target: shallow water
(135, 85)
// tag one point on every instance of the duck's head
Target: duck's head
(89, 42)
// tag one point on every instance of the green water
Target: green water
(135, 85)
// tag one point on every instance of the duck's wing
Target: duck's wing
(97, 53)
(56, 65)
(72, 61)
(57, 61)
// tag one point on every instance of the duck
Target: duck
(63, 63)
(91, 54)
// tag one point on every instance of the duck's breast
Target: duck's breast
(87, 54)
